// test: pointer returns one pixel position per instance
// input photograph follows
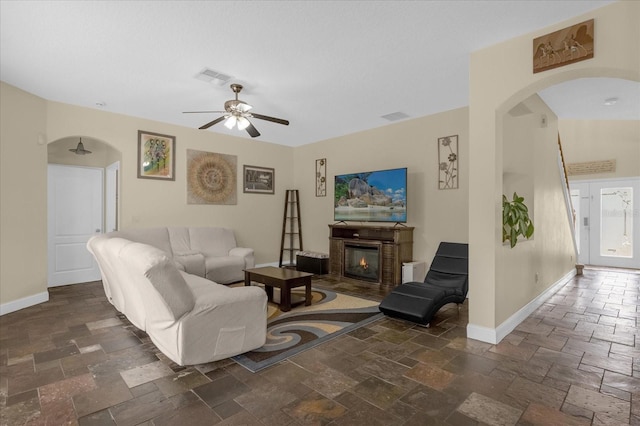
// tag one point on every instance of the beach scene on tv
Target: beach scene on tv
(377, 196)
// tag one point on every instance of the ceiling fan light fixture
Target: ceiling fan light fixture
(235, 114)
(243, 107)
(230, 122)
(243, 123)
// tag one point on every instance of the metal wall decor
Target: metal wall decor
(448, 162)
(321, 177)
(211, 178)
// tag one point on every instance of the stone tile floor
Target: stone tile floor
(575, 361)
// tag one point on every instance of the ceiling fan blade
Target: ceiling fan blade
(203, 112)
(211, 123)
(272, 119)
(252, 131)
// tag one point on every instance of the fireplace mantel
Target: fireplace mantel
(395, 243)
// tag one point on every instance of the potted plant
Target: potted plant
(515, 220)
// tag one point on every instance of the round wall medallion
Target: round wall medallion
(211, 178)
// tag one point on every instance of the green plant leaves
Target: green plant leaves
(515, 220)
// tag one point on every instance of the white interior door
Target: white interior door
(75, 205)
(609, 229)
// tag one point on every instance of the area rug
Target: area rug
(303, 327)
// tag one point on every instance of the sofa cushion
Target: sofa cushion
(213, 242)
(224, 270)
(191, 262)
(163, 275)
(156, 237)
(179, 239)
(166, 279)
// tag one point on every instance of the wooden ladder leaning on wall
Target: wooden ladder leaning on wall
(291, 240)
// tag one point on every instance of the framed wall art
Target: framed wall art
(563, 47)
(211, 178)
(321, 177)
(258, 180)
(156, 156)
(448, 162)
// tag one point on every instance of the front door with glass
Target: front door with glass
(607, 225)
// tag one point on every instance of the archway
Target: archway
(499, 311)
(81, 202)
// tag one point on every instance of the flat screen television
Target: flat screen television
(376, 196)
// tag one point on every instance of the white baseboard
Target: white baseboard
(25, 302)
(495, 335)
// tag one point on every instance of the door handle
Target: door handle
(98, 231)
(585, 221)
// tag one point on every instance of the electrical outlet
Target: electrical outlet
(537, 277)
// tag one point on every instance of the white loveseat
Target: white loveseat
(192, 320)
(208, 252)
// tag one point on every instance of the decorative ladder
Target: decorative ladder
(291, 229)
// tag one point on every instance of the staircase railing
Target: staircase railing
(571, 213)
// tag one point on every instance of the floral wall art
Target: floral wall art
(156, 156)
(211, 178)
(321, 177)
(448, 162)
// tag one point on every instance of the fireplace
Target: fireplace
(362, 261)
(383, 248)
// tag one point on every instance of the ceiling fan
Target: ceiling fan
(236, 113)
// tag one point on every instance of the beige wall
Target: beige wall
(593, 140)
(23, 196)
(527, 270)
(437, 215)
(501, 77)
(27, 120)
(256, 219)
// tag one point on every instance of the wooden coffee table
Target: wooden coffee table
(284, 279)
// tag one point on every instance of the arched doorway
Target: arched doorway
(599, 125)
(81, 203)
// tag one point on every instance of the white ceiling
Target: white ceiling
(330, 67)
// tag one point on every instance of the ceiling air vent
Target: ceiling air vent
(213, 77)
(395, 116)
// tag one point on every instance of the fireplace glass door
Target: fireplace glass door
(362, 262)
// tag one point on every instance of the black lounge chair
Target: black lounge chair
(446, 282)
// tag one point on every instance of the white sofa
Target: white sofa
(192, 320)
(209, 252)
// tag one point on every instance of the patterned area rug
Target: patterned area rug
(303, 327)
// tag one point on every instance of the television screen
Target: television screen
(377, 196)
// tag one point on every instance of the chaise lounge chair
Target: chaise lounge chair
(446, 282)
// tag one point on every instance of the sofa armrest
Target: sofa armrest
(246, 254)
(223, 324)
(190, 262)
(235, 299)
(241, 251)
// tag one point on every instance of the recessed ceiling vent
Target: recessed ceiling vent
(395, 116)
(213, 77)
